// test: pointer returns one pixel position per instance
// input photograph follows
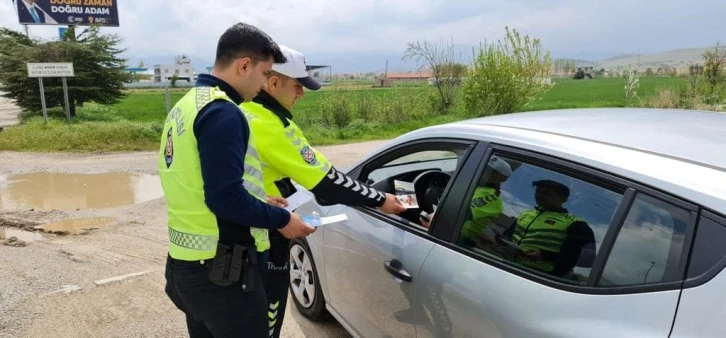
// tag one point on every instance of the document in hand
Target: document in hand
(406, 194)
(318, 221)
(297, 199)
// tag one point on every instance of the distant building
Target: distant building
(182, 67)
(140, 74)
(409, 77)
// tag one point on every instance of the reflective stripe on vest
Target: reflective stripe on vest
(485, 206)
(542, 230)
(192, 227)
(268, 130)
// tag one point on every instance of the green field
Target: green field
(328, 116)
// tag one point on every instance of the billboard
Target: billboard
(68, 12)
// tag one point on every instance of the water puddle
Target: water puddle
(47, 191)
(76, 226)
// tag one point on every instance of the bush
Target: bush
(507, 77)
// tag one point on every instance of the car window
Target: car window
(444, 160)
(648, 248)
(537, 219)
(708, 247)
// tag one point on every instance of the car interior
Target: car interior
(429, 177)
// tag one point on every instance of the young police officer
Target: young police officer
(218, 215)
(286, 154)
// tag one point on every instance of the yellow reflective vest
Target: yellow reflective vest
(544, 231)
(485, 207)
(284, 151)
(193, 229)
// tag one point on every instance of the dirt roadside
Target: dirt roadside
(48, 288)
(8, 112)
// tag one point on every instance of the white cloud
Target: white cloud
(595, 27)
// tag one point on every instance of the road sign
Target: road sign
(62, 32)
(52, 69)
(48, 69)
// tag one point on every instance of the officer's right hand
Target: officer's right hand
(296, 227)
(392, 205)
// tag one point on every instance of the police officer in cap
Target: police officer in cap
(287, 156)
(549, 237)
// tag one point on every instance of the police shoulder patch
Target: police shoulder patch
(169, 150)
(478, 202)
(308, 155)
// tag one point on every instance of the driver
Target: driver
(486, 205)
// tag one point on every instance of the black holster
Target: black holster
(235, 265)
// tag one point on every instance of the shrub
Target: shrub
(508, 76)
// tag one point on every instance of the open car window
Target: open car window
(444, 160)
(428, 165)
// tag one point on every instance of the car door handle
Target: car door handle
(395, 268)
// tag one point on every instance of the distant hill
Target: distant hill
(674, 58)
(620, 57)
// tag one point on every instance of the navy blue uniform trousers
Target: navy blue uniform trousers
(212, 310)
(276, 279)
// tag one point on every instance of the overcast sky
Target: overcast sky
(327, 29)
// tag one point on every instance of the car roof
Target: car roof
(672, 150)
(687, 135)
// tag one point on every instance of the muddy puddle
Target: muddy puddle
(76, 226)
(61, 191)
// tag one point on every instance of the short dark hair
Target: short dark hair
(245, 40)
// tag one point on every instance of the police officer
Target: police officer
(550, 238)
(216, 203)
(486, 204)
(285, 154)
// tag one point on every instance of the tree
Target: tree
(439, 58)
(99, 71)
(507, 77)
(714, 66)
(649, 72)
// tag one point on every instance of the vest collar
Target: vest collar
(269, 102)
(209, 80)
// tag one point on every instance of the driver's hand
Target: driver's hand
(427, 224)
(392, 205)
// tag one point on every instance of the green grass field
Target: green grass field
(327, 116)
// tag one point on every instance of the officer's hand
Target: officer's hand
(277, 201)
(296, 227)
(392, 205)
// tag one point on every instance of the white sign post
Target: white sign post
(52, 69)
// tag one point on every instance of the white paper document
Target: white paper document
(297, 199)
(316, 222)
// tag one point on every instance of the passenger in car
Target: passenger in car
(550, 239)
(486, 205)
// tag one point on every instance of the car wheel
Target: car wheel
(305, 283)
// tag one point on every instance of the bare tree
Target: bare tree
(714, 68)
(440, 59)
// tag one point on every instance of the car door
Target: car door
(701, 309)
(625, 285)
(373, 260)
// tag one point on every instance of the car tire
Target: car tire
(312, 306)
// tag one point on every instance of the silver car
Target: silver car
(569, 223)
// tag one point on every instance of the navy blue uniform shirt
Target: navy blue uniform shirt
(222, 135)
